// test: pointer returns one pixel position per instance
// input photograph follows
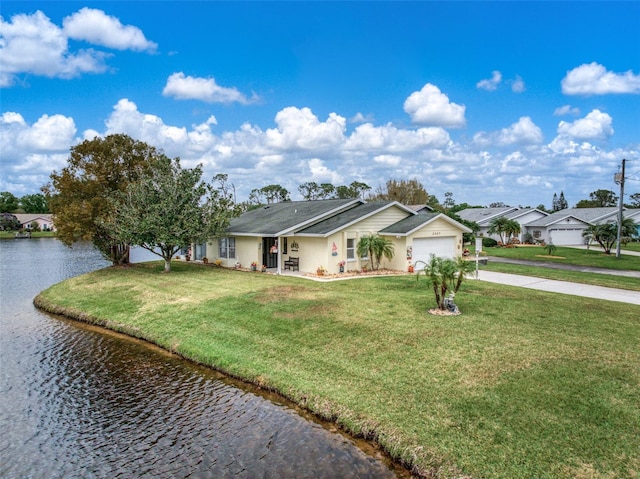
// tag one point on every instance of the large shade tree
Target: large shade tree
(9, 203)
(169, 209)
(36, 203)
(80, 195)
(598, 199)
(407, 192)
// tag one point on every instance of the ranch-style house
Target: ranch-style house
(305, 235)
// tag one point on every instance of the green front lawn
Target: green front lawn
(593, 257)
(523, 384)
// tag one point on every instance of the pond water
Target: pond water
(80, 402)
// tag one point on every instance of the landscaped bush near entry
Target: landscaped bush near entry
(489, 242)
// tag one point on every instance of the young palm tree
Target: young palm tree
(606, 234)
(463, 268)
(441, 275)
(375, 247)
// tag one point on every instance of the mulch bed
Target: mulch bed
(351, 274)
(443, 312)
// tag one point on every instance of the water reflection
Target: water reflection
(80, 403)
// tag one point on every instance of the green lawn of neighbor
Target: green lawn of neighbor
(523, 384)
(596, 279)
(563, 255)
(35, 234)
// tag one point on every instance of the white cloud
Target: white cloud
(204, 89)
(594, 79)
(98, 28)
(492, 83)
(32, 44)
(31, 152)
(320, 173)
(368, 137)
(360, 118)
(388, 160)
(566, 110)
(300, 147)
(523, 132)
(595, 126)
(537, 181)
(48, 134)
(431, 106)
(517, 85)
(300, 129)
(146, 127)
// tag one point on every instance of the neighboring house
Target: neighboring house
(565, 227)
(44, 221)
(324, 233)
(483, 217)
(561, 228)
(634, 214)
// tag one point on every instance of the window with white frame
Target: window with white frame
(351, 249)
(227, 247)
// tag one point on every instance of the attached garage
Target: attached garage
(565, 236)
(423, 248)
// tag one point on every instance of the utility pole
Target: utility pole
(619, 178)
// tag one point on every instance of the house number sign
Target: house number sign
(435, 233)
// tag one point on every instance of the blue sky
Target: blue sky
(492, 101)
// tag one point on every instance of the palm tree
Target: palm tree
(375, 247)
(444, 275)
(512, 228)
(499, 226)
(606, 234)
(463, 268)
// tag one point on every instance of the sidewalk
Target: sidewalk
(563, 287)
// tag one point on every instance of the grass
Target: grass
(35, 234)
(596, 279)
(523, 384)
(593, 257)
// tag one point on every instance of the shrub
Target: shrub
(489, 242)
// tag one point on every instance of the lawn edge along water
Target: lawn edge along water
(439, 394)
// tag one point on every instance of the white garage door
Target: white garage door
(566, 236)
(423, 248)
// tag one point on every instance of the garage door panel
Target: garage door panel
(423, 248)
(566, 236)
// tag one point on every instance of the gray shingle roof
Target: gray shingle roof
(277, 218)
(483, 216)
(411, 223)
(522, 211)
(344, 218)
(588, 215)
(408, 224)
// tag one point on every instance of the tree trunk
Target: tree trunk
(167, 265)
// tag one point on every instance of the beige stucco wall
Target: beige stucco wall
(247, 250)
(318, 251)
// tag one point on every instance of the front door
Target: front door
(269, 252)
